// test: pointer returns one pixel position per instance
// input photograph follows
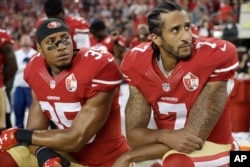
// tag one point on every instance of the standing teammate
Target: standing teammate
(8, 68)
(76, 89)
(185, 81)
(101, 39)
(78, 26)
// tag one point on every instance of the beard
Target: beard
(176, 53)
(65, 66)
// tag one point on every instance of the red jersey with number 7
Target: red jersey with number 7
(172, 98)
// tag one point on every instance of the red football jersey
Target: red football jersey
(107, 43)
(135, 41)
(76, 25)
(172, 98)
(61, 98)
(4, 38)
(38, 22)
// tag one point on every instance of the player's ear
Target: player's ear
(156, 39)
(38, 47)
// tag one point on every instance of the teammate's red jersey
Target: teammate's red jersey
(172, 98)
(107, 43)
(76, 25)
(61, 98)
(135, 41)
(4, 38)
(38, 22)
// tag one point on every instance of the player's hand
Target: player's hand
(53, 162)
(182, 141)
(56, 162)
(47, 157)
(122, 161)
(8, 139)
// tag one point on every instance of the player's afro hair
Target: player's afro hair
(53, 7)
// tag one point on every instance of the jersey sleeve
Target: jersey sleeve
(228, 67)
(106, 73)
(32, 66)
(80, 24)
(220, 54)
(132, 72)
(127, 67)
(79, 28)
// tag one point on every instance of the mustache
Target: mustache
(185, 44)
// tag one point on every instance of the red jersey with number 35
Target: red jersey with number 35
(172, 98)
(4, 38)
(62, 97)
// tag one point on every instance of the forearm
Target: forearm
(149, 136)
(148, 152)
(137, 116)
(49, 138)
(55, 139)
(207, 110)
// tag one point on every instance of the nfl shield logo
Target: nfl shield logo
(166, 87)
(52, 84)
(71, 83)
(190, 81)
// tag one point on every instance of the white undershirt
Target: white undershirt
(166, 73)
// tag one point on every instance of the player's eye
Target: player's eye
(65, 37)
(175, 30)
(187, 27)
(50, 42)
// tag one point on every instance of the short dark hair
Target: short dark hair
(155, 22)
(53, 7)
(97, 25)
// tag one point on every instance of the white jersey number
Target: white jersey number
(59, 112)
(180, 110)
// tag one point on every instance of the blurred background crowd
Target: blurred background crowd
(210, 16)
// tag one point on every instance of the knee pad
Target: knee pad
(177, 160)
(23, 157)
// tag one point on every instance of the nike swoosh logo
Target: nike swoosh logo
(110, 59)
(224, 47)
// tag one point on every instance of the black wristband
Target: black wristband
(24, 135)
(43, 154)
